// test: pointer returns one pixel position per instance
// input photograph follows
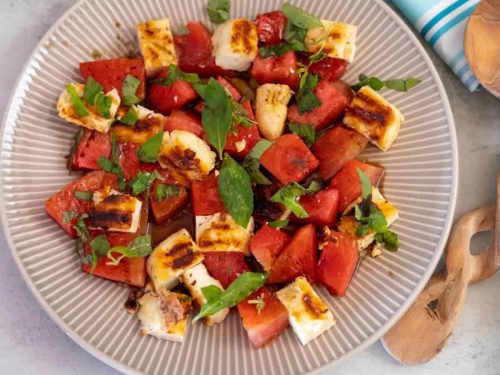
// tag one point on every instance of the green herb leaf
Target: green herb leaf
(148, 152)
(166, 191)
(393, 84)
(389, 239)
(129, 88)
(306, 132)
(74, 147)
(79, 250)
(377, 220)
(91, 89)
(131, 117)
(100, 245)
(114, 168)
(295, 37)
(300, 18)
(289, 195)
(237, 291)
(235, 190)
(218, 10)
(138, 248)
(81, 229)
(142, 181)
(182, 30)
(217, 115)
(84, 195)
(306, 99)
(278, 223)
(175, 74)
(366, 186)
(240, 115)
(362, 230)
(252, 162)
(68, 216)
(103, 103)
(275, 50)
(78, 104)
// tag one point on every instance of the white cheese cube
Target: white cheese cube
(164, 314)
(374, 117)
(94, 120)
(115, 211)
(186, 153)
(157, 45)
(170, 258)
(308, 315)
(271, 107)
(235, 44)
(196, 278)
(348, 223)
(219, 232)
(336, 39)
(149, 124)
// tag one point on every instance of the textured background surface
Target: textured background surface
(31, 342)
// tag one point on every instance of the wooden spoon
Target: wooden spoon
(422, 332)
(482, 44)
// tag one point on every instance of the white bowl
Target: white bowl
(421, 180)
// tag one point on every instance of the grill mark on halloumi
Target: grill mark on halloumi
(241, 37)
(139, 133)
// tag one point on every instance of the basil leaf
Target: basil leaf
(306, 99)
(201, 89)
(278, 223)
(300, 18)
(235, 190)
(366, 186)
(68, 216)
(142, 181)
(295, 37)
(218, 10)
(175, 74)
(138, 248)
(166, 191)
(148, 152)
(389, 239)
(217, 115)
(362, 230)
(240, 115)
(306, 132)
(377, 220)
(114, 168)
(237, 291)
(251, 162)
(84, 195)
(103, 103)
(393, 84)
(74, 147)
(289, 195)
(91, 89)
(259, 148)
(129, 88)
(275, 50)
(78, 104)
(81, 229)
(131, 117)
(100, 245)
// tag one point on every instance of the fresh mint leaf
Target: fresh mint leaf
(103, 103)
(84, 195)
(138, 248)
(91, 89)
(304, 131)
(240, 115)
(377, 220)
(166, 191)
(289, 196)
(176, 74)
(114, 168)
(143, 181)
(81, 229)
(295, 37)
(389, 239)
(376, 83)
(131, 117)
(129, 88)
(251, 162)
(278, 223)
(100, 245)
(68, 216)
(148, 152)
(78, 104)
(366, 186)
(217, 115)
(306, 99)
(300, 18)
(237, 291)
(235, 189)
(218, 10)
(275, 50)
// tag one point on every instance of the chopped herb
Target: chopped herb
(103, 103)
(138, 248)
(74, 147)
(68, 216)
(100, 247)
(218, 10)
(176, 74)
(275, 50)
(240, 115)
(148, 152)
(79, 248)
(278, 223)
(84, 195)
(235, 189)
(306, 132)
(252, 162)
(306, 99)
(182, 30)
(394, 84)
(92, 88)
(259, 303)
(237, 291)
(81, 229)
(389, 239)
(142, 181)
(131, 117)
(114, 168)
(295, 37)
(166, 191)
(78, 104)
(129, 89)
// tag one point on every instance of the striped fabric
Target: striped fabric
(442, 24)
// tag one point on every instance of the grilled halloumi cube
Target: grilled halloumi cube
(93, 120)
(336, 39)
(348, 223)
(115, 211)
(149, 124)
(196, 278)
(374, 117)
(308, 315)
(157, 45)
(164, 314)
(271, 107)
(219, 232)
(171, 257)
(186, 153)
(235, 44)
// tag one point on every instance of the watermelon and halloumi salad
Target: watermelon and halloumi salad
(220, 171)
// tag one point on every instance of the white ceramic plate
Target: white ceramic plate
(421, 180)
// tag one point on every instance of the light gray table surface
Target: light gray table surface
(31, 343)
